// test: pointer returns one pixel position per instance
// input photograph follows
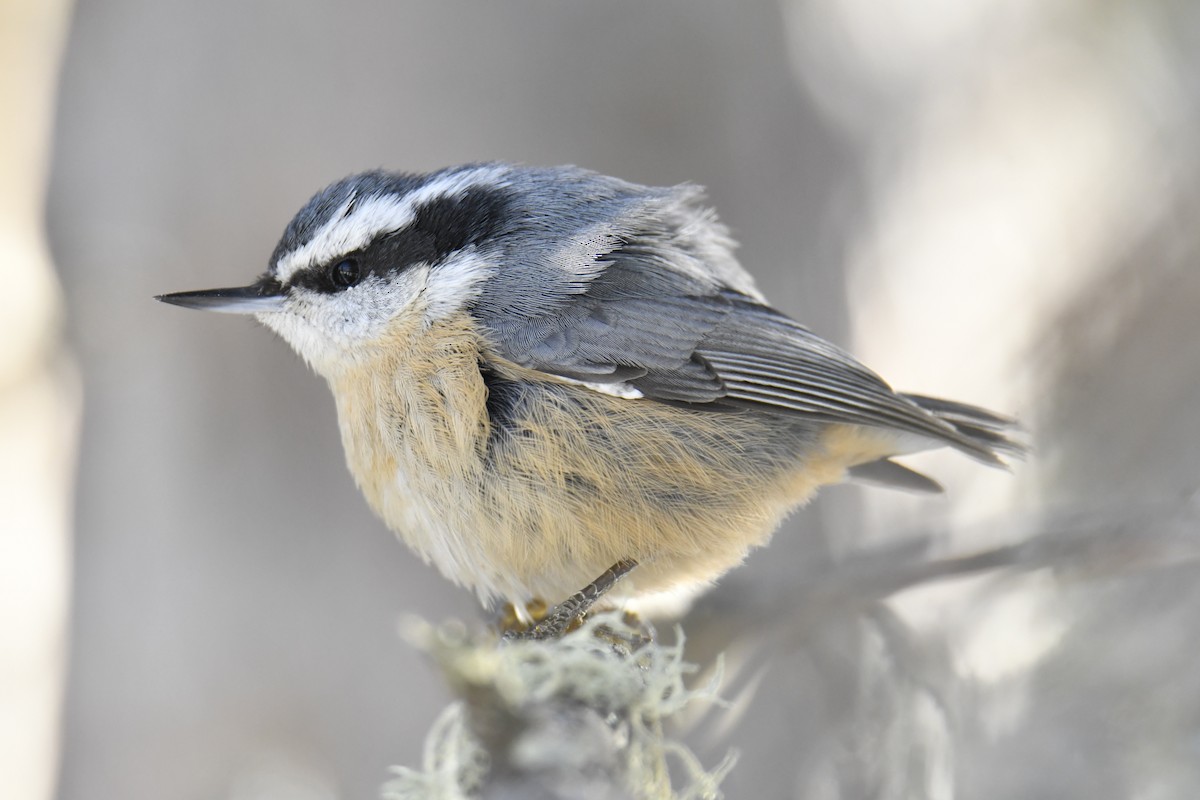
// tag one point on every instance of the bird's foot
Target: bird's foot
(570, 613)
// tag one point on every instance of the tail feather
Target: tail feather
(990, 431)
(885, 472)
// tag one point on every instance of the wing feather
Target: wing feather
(679, 339)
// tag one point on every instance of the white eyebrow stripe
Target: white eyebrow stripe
(357, 222)
(345, 233)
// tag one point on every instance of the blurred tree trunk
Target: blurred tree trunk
(39, 410)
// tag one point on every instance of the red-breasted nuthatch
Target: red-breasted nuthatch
(540, 373)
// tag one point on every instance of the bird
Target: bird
(545, 374)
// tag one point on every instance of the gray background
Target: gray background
(235, 607)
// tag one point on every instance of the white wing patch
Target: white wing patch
(622, 390)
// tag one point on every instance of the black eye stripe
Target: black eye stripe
(439, 228)
(458, 221)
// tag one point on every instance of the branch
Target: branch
(578, 717)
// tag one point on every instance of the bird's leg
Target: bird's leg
(560, 618)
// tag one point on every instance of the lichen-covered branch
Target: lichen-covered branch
(578, 717)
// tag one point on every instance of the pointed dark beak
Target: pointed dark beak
(265, 295)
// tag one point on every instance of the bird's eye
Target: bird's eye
(345, 273)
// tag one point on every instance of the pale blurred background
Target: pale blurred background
(990, 200)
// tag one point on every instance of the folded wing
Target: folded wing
(680, 339)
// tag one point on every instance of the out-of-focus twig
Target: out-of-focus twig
(1088, 545)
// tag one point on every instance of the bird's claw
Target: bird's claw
(569, 614)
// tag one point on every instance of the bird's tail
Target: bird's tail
(990, 431)
(978, 432)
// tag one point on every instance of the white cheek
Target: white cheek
(329, 330)
(363, 313)
(316, 349)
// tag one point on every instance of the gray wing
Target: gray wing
(681, 339)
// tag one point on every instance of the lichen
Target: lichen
(589, 707)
